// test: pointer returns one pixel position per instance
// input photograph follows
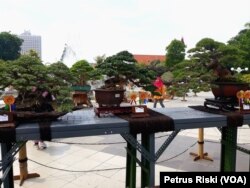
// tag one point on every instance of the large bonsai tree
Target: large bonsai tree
(218, 57)
(27, 73)
(122, 68)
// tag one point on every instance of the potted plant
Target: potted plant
(218, 58)
(40, 88)
(82, 72)
(119, 70)
(226, 84)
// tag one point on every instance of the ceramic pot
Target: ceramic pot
(109, 98)
(227, 89)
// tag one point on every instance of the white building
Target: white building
(31, 42)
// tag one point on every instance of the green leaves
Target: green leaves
(10, 46)
(175, 52)
(83, 71)
(124, 68)
(28, 71)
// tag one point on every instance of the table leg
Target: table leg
(24, 167)
(201, 154)
(8, 182)
(148, 177)
(228, 149)
(131, 166)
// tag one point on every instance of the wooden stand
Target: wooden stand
(139, 111)
(9, 120)
(122, 110)
(80, 98)
(23, 167)
(7, 125)
(201, 154)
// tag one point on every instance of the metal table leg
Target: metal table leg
(131, 165)
(148, 176)
(228, 149)
(8, 182)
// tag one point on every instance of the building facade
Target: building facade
(147, 59)
(31, 42)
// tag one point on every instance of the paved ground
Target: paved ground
(99, 161)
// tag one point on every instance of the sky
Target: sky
(93, 28)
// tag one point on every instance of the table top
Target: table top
(85, 123)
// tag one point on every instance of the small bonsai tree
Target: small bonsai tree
(83, 72)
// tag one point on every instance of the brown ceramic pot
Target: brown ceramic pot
(109, 98)
(227, 89)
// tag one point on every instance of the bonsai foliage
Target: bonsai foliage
(211, 54)
(205, 50)
(158, 67)
(167, 77)
(242, 42)
(210, 61)
(27, 73)
(189, 75)
(82, 72)
(23, 74)
(122, 68)
(10, 46)
(59, 81)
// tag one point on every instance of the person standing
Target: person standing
(160, 92)
(44, 99)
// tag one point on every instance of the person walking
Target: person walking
(160, 92)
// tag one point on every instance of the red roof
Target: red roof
(146, 59)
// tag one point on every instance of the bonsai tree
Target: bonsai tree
(217, 57)
(82, 72)
(23, 74)
(37, 85)
(59, 82)
(121, 69)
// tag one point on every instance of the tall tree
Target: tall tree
(100, 59)
(175, 52)
(10, 46)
